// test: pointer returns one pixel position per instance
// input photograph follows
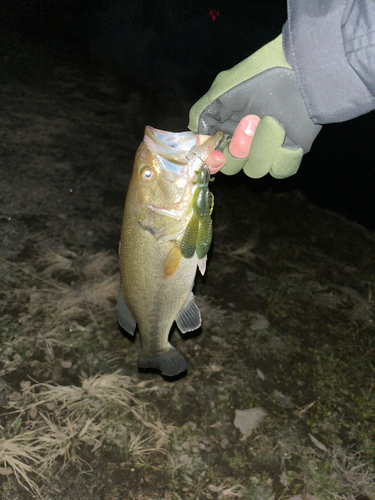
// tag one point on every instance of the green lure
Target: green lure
(198, 233)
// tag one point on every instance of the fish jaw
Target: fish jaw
(179, 152)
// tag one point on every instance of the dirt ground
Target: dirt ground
(279, 397)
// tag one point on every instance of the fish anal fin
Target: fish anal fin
(124, 316)
(170, 363)
(189, 318)
(172, 261)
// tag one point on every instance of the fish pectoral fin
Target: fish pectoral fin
(189, 318)
(172, 261)
(124, 316)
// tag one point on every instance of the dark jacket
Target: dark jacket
(331, 46)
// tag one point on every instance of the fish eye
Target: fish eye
(147, 173)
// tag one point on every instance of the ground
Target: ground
(287, 305)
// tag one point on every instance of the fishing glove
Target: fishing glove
(266, 85)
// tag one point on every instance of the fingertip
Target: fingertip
(239, 146)
(250, 123)
(215, 161)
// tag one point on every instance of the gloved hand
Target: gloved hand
(264, 84)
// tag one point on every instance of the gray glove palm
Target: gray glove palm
(264, 84)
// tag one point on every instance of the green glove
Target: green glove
(264, 84)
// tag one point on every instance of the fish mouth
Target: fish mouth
(177, 152)
(171, 148)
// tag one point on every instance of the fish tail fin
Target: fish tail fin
(169, 363)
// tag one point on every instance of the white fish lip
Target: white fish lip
(177, 152)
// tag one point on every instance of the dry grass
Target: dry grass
(332, 472)
(93, 295)
(48, 307)
(243, 253)
(225, 491)
(20, 455)
(352, 473)
(56, 422)
(95, 285)
(51, 261)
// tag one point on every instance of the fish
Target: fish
(167, 190)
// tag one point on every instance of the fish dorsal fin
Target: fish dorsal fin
(189, 318)
(172, 261)
(124, 316)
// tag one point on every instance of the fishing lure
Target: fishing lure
(198, 234)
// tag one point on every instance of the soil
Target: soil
(287, 305)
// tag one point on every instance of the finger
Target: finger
(267, 142)
(240, 143)
(215, 161)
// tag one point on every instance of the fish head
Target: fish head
(165, 169)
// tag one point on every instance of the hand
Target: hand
(264, 85)
(239, 145)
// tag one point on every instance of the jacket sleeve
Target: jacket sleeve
(331, 47)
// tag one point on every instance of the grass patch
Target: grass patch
(54, 423)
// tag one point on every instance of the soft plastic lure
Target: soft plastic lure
(198, 234)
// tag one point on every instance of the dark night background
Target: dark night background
(287, 303)
(169, 47)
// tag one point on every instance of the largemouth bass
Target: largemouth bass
(166, 216)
